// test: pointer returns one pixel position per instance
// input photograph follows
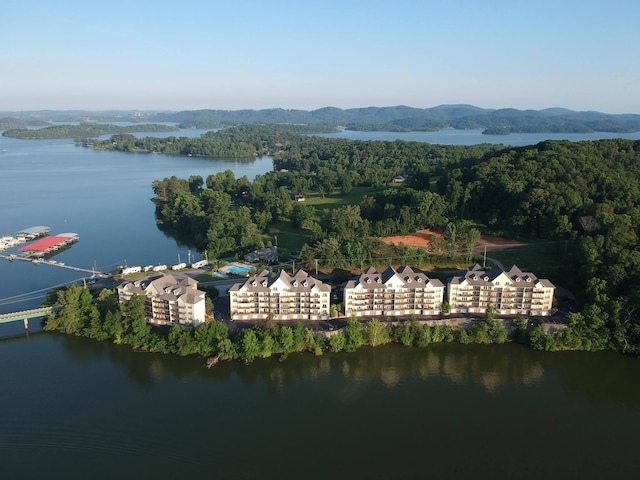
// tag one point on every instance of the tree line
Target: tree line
(103, 318)
(84, 130)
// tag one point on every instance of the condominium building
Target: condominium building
(391, 292)
(170, 299)
(509, 291)
(283, 296)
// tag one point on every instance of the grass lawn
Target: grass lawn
(288, 237)
(292, 238)
(336, 200)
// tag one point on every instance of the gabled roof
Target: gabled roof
(168, 288)
(265, 281)
(405, 277)
(478, 277)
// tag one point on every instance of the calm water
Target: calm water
(75, 408)
(475, 137)
(80, 409)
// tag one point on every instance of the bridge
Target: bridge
(25, 315)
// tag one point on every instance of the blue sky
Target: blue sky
(234, 54)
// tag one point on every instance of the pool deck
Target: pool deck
(237, 268)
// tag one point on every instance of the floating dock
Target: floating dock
(10, 242)
(32, 233)
(49, 245)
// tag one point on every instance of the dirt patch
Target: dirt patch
(419, 239)
(422, 239)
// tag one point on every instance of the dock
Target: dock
(32, 233)
(49, 245)
(53, 263)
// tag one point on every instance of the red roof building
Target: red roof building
(49, 244)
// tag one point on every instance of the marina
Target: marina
(49, 245)
(23, 236)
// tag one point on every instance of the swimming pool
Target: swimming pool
(238, 270)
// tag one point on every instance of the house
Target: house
(264, 255)
(399, 179)
(170, 299)
(391, 293)
(510, 291)
(281, 296)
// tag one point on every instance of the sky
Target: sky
(254, 54)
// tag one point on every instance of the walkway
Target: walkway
(53, 263)
(27, 314)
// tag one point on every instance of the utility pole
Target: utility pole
(276, 236)
(484, 261)
(316, 267)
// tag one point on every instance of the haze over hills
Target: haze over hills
(397, 118)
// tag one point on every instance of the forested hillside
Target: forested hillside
(396, 118)
(587, 192)
(403, 118)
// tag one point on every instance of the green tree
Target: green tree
(377, 333)
(286, 339)
(337, 342)
(354, 335)
(249, 346)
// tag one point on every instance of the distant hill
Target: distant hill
(398, 118)
(404, 118)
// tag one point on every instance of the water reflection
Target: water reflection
(488, 366)
(601, 377)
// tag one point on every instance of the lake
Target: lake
(76, 408)
(475, 137)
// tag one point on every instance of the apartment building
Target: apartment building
(391, 292)
(509, 291)
(169, 299)
(284, 296)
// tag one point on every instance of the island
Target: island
(84, 130)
